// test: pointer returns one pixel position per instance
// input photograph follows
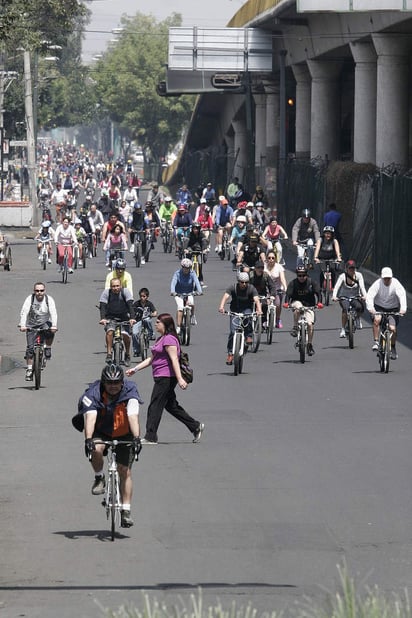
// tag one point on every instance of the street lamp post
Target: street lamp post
(31, 148)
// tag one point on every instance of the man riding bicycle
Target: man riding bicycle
(305, 233)
(243, 297)
(107, 410)
(117, 304)
(303, 292)
(185, 281)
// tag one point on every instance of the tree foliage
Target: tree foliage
(126, 79)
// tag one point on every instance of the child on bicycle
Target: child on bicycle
(144, 312)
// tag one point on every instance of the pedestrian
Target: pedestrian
(164, 360)
(38, 312)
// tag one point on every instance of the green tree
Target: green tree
(126, 79)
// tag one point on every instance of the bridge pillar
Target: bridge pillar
(303, 110)
(364, 127)
(241, 147)
(260, 137)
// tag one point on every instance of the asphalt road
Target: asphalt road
(299, 466)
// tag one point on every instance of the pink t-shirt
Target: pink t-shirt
(161, 363)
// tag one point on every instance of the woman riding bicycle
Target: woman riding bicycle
(351, 285)
(327, 250)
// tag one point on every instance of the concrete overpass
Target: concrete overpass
(340, 88)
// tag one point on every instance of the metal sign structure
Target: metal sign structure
(220, 50)
(345, 6)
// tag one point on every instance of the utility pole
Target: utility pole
(31, 149)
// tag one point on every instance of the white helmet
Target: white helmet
(243, 277)
(186, 263)
(241, 219)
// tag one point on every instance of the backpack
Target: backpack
(185, 368)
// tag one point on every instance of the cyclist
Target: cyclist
(38, 311)
(273, 232)
(206, 223)
(209, 193)
(117, 304)
(223, 218)
(96, 220)
(45, 234)
(246, 209)
(120, 273)
(232, 189)
(327, 248)
(65, 238)
(155, 196)
(197, 242)
(183, 195)
(302, 291)
(250, 252)
(243, 296)
(130, 194)
(305, 230)
(260, 196)
(167, 211)
(386, 294)
(144, 311)
(107, 410)
(259, 217)
(116, 242)
(350, 284)
(185, 281)
(181, 225)
(277, 273)
(265, 287)
(108, 227)
(58, 199)
(237, 236)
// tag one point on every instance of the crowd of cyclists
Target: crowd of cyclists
(238, 224)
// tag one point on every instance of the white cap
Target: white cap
(386, 273)
(203, 200)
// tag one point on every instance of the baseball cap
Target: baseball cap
(351, 264)
(386, 273)
(259, 264)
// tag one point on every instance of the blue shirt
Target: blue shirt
(183, 283)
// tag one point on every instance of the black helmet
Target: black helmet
(301, 270)
(196, 225)
(112, 373)
(306, 212)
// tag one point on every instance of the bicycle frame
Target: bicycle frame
(302, 333)
(385, 337)
(44, 253)
(118, 348)
(352, 317)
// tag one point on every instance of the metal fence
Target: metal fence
(376, 207)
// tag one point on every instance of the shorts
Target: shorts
(124, 454)
(310, 315)
(393, 319)
(110, 326)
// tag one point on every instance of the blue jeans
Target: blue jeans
(136, 333)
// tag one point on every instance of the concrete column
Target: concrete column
(272, 124)
(325, 108)
(260, 130)
(241, 149)
(303, 110)
(364, 129)
(392, 114)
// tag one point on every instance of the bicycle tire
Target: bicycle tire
(387, 354)
(37, 358)
(112, 503)
(302, 343)
(138, 254)
(7, 259)
(186, 320)
(270, 326)
(257, 333)
(144, 345)
(117, 352)
(44, 261)
(222, 253)
(94, 246)
(227, 252)
(165, 240)
(64, 270)
(75, 259)
(237, 357)
(84, 256)
(350, 330)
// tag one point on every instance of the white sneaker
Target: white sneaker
(143, 261)
(40, 257)
(80, 262)
(178, 330)
(375, 346)
(359, 324)
(131, 249)
(342, 333)
(193, 320)
(71, 271)
(49, 261)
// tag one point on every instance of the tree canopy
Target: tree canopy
(126, 79)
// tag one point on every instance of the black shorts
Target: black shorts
(393, 319)
(124, 454)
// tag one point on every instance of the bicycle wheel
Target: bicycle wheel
(112, 504)
(7, 258)
(85, 254)
(257, 333)
(75, 258)
(222, 253)
(44, 260)
(117, 352)
(227, 251)
(350, 329)
(302, 343)
(37, 359)
(94, 246)
(138, 254)
(186, 326)
(270, 325)
(64, 270)
(237, 356)
(196, 267)
(144, 344)
(387, 352)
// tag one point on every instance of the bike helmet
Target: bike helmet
(181, 207)
(250, 227)
(137, 206)
(241, 219)
(301, 270)
(196, 226)
(306, 213)
(120, 264)
(259, 204)
(253, 238)
(149, 206)
(243, 277)
(77, 221)
(242, 205)
(186, 263)
(46, 224)
(329, 228)
(112, 373)
(168, 198)
(203, 200)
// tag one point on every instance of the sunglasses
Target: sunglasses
(271, 258)
(43, 290)
(301, 276)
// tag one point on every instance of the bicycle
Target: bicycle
(39, 357)
(112, 500)
(307, 256)
(256, 330)
(327, 287)
(144, 335)
(118, 349)
(150, 238)
(385, 337)
(270, 322)
(239, 348)
(138, 247)
(302, 331)
(167, 237)
(197, 262)
(44, 253)
(352, 319)
(225, 252)
(65, 265)
(186, 324)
